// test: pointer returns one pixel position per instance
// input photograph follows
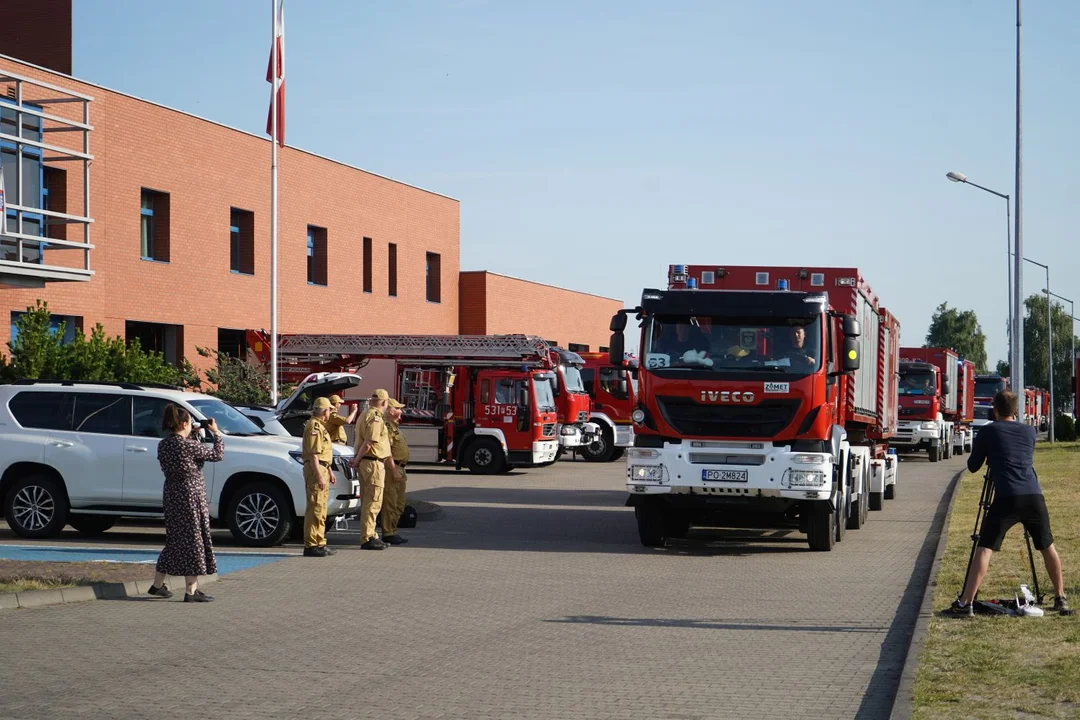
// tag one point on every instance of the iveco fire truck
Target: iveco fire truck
(766, 399)
(928, 407)
(484, 402)
(611, 388)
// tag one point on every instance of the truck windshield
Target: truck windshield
(724, 344)
(229, 420)
(572, 379)
(989, 387)
(545, 398)
(916, 382)
(982, 412)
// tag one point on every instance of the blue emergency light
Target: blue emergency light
(691, 283)
(781, 285)
(679, 269)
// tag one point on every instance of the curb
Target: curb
(903, 705)
(83, 593)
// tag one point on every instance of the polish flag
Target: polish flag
(279, 40)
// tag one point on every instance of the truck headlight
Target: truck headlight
(646, 472)
(805, 478)
(569, 430)
(638, 415)
(928, 426)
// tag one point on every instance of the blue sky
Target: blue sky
(592, 144)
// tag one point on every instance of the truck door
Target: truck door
(507, 408)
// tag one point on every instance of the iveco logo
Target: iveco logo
(732, 397)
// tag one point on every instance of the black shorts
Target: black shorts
(1029, 510)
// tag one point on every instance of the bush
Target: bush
(1064, 428)
(237, 381)
(40, 353)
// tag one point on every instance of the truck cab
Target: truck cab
(512, 411)
(922, 425)
(575, 429)
(610, 387)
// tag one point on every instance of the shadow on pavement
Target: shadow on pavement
(712, 624)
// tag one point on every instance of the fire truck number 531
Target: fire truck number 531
(500, 410)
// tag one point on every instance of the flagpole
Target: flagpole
(273, 206)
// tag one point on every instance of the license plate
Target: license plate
(726, 475)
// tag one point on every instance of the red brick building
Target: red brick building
(173, 244)
(493, 304)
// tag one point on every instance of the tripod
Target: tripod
(985, 501)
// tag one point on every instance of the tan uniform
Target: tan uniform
(318, 456)
(394, 499)
(371, 426)
(336, 427)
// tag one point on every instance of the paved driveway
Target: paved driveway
(531, 597)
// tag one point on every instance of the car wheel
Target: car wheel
(485, 457)
(92, 524)
(36, 507)
(259, 515)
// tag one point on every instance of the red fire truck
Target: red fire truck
(928, 401)
(576, 431)
(763, 401)
(987, 386)
(481, 401)
(964, 432)
(611, 389)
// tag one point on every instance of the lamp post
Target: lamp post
(1049, 341)
(1018, 267)
(962, 178)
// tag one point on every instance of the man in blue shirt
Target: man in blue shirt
(1009, 448)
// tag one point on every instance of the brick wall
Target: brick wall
(206, 169)
(37, 31)
(495, 304)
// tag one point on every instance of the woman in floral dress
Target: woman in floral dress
(188, 548)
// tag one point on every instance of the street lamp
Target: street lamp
(1049, 341)
(962, 178)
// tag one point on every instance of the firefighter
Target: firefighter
(318, 477)
(372, 457)
(337, 422)
(394, 499)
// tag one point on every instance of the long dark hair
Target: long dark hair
(174, 418)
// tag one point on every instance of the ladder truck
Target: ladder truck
(483, 402)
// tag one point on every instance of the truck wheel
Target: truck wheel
(650, 525)
(842, 514)
(934, 454)
(36, 507)
(485, 457)
(890, 492)
(259, 515)
(877, 501)
(602, 449)
(618, 455)
(858, 516)
(676, 524)
(92, 524)
(821, 527)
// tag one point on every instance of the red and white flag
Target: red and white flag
(277, 80)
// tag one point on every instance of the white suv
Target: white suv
(85, 455)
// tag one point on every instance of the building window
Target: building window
(157, 337)
(32, 192)
(604, 348)
(154, 228)
(71, 324)
(367, 265)
(54, 198)
(391, 268)
(316, 255)
(578, 347)
(434, 278)
(232, 343)
(241, 241)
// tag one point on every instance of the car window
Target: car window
(146, 416)
(41, 410)
(102, 413)
(587, 380)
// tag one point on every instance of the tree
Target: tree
(1036, 359)
(959, 330)
(237, 381)
(40, 353)
(1003, 368)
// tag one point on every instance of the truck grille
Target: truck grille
(766, 419)
(909, 411)
(548, 430)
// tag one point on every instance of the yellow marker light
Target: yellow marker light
(851, 354)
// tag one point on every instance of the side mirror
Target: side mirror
(616, 346)
(850, 362)
(945, 387)
(618, 324)
(851, 327)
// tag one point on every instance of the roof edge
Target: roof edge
(535, 282)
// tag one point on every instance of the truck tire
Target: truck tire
(676, 524)
(877, 501)
(92, 524)
(842, 514)
(934, 454)
(858, 518)
(821, 527)
(485, 457)
(36, 506)
(602, 449)
(890, 492)
(650, 525)
(259, 515)
(618, 455)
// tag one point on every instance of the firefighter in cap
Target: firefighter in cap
(337, 422)
(318, 477)
(394, 498)
(373, 460)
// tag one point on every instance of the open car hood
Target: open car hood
(313, 386)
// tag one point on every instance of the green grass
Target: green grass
(12, 585)
(995, 667)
